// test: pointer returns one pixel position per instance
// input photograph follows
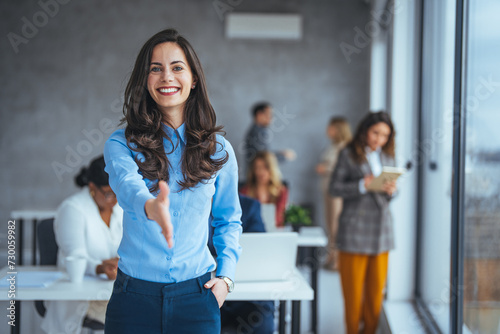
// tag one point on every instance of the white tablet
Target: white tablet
(388, 174)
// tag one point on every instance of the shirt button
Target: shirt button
(168, 258)
(176, 213)
(166, 275)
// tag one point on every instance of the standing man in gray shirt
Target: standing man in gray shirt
(259, 135)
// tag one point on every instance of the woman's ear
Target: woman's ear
(195, 82)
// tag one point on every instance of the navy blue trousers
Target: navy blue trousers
(137, 306)
(248, 317)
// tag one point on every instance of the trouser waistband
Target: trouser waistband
(136, 285)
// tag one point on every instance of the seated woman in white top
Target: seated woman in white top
(87, 224)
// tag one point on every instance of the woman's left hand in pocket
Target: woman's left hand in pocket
(219, 289)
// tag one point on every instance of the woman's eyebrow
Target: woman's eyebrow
(174, 62)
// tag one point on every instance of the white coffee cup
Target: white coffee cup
(75, 266)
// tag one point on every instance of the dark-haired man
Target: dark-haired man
(259, 136)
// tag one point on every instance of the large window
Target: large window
(458, 267)
(435, 168)
(481, 101)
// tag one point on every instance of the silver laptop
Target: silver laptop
(266, 256)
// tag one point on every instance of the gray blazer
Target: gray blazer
(365, 225)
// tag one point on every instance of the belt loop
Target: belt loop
(200, 283)
(201, 280)
(125, 281)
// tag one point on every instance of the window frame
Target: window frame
(458, 181)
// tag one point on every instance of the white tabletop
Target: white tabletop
(92, 288)
(32, 214)
(312, 236)
(309, 236)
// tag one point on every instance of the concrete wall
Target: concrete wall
(67, 79)
(64, 79)
(63, 70)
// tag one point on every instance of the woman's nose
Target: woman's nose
(167, 76)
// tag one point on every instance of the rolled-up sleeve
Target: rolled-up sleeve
(226, 212)
(124, 178)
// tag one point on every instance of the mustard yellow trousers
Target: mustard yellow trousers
(363, 280)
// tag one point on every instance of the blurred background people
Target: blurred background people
(88, 224)
(339, 133)
(259, 136)
(365, 234)
(264, 183)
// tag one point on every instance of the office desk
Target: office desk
(294, 288)
(312, 238)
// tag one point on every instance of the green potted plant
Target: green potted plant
(297, 216)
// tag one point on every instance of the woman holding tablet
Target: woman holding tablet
(365, 234)
(170, 169)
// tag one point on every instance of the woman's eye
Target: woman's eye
(178, 68)
(155, 69)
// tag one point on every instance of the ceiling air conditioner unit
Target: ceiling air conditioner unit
(263, 26)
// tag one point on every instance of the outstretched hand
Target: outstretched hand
(157, 210)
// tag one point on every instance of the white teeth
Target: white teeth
(168, 90)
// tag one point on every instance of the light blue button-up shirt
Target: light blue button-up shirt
(143, 251)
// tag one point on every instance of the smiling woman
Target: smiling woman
(171, 91)
(170, 80)
(171, 171)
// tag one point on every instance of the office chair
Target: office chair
(47, 247)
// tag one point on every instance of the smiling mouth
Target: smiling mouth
(168, 91)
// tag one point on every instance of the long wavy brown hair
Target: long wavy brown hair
(358, 144)
(144, 130)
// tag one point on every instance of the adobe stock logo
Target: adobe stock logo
(221, 7)
(29, 29)
(381, 20)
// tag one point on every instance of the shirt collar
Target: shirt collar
(368, 150)
(180, 132)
